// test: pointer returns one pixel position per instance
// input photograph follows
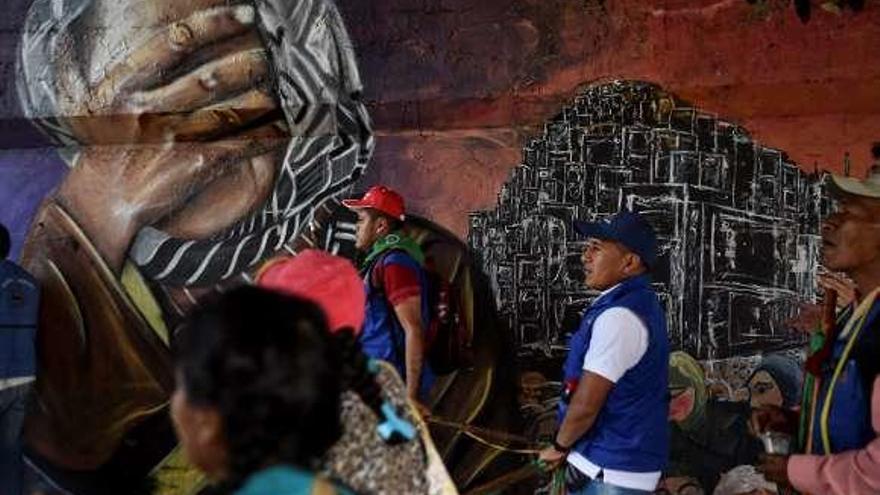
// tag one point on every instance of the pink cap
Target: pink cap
(332, 282)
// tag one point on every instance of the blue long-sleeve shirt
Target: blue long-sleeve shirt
(19, 313)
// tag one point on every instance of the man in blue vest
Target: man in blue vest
(613, 432)
(398, 313)
(839, 432)
(19, 307)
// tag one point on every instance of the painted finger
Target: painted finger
(210, 83)
(172, 45)
(224, 118)
(214, 122)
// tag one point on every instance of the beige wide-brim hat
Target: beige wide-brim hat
(868, 187)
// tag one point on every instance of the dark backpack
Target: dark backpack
(448, 337)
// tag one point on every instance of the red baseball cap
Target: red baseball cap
(380, 198)
(331, 282)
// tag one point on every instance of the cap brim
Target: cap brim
(595, 230)
(354, 204)
(840, 185)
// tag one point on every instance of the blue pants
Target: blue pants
(13, 402)
(599, 487)
(577, 483)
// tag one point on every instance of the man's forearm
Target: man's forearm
(586, 403)
(409, 314)
(414, 359)
(576, 424)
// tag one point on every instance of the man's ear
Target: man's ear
(382, 226)
(633, 264)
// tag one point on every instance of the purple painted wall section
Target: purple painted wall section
(29, 169)
(26, 176)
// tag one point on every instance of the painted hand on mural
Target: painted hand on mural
(770, 418)
(202, 78)
(197, 78)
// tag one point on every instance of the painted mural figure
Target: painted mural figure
(202, 136)
(776, 381)
(613, 433)
(841, 412)
(708, 436)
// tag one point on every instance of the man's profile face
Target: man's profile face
(851, 235)
(369, 228)
(604, 263)
(198, 431)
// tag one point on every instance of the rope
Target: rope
(479, 434)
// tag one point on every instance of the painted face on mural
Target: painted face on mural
(851, 235)
(607, 263)
(764, 391)
(681, 403)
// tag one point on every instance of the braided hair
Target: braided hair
(266, 362)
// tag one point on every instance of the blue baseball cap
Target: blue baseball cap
(627, 228)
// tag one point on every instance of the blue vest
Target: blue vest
(631, 432)
(383, 337)
(849, 418)
(19, 313)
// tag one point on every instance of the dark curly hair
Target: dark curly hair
(267, 363)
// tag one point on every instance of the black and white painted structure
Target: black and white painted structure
(737, 222)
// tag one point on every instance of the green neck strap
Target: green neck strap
(395, 240)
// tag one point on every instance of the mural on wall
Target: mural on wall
(201, 138)
(738, 228)
(207, 126)
(737, 222)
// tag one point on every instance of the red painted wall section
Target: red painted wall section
(457, 86)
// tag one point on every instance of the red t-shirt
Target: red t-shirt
(398, 282)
